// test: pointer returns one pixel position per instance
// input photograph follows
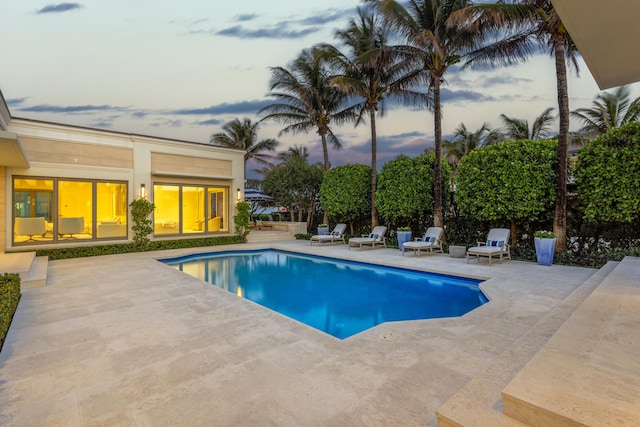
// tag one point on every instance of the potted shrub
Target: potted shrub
(404, 235)
(323, 229)
(545, 242)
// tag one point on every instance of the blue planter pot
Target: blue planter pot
(323, 231)
(403, 236)
(545, 249)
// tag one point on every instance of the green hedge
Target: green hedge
(9, 297)
(158, 245)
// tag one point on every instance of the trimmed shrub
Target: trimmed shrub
(9, 297)
(158, 245)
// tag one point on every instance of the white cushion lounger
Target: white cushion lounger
(375, 238)
(497, 245)
(337, 235)
(430, 242)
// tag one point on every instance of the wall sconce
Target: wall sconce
(238, 195)
(143, 192)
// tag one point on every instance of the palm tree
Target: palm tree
(464, 141)
(521, 28)
(297, 152)
(307, 100)
(374, 72)
(294, 183)
(438, 46)
(609, 110)
(244, 135)
(519, 128)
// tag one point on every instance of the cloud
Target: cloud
(448, 95)
(501, 80)
(16, 101)
(284, 29)
(72, 109)
(325, 17)
(59, 8)
(244, 17)
(242, 107)
(167, 123)
(210, 122)
(280, 31)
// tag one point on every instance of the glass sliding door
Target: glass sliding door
(166, 216)
(190, 209)
(217, 209)
(111, 210)
(69, 209)
(32, 210)
(75, 209)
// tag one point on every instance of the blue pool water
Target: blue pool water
(341, 298)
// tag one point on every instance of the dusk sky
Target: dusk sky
(182, 69)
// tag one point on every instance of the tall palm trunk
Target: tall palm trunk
(560, 216)
(374, 169)
(438, 219)
(327, 166)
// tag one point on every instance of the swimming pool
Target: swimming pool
(339, 297)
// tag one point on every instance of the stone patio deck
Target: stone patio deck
(126, 340)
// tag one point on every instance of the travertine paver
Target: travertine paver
(125, 340)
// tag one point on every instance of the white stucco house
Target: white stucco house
(69, 185)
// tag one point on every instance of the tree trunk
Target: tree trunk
(560, 215)
(514, 238)
(310, 217)
(374, 169)
(327, 166)
(438, 217)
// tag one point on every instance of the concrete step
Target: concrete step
(260, 236)
(36, 277)
(32, 269)
(588, 372)
(479, 402)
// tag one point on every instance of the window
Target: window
(166, 215)
(70, 210)
(75, 207)
(189, 209)
(32, 210)
(111, 209)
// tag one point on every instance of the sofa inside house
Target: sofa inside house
(70, 226)
(111, 227)
(30, 227)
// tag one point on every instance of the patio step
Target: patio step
(31, 268)
(36, 277)
(479, 402)
(260, 236)
(588, 372)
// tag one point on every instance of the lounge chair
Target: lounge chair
(497, 245)
(70, 226)
(30, 227)
(431, 242)
(337, 235)
(375, 238)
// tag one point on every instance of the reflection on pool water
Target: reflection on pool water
(341, 298)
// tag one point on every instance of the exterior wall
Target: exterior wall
(60, 151)
(47, 150)
(190, 166)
